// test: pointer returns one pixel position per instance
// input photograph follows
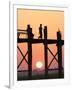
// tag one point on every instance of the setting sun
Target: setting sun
(39, 64)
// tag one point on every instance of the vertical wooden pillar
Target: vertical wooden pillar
(29, 53)
(45, 52)
(59, 49)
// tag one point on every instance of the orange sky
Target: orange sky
(52, 19)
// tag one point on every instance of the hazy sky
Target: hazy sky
(53, 20)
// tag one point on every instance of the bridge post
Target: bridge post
(29, 30)
(59, 49)
(45, 51)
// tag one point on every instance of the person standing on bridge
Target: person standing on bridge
(45, 32)
(40, 31)
(18, 34)
(29, 30)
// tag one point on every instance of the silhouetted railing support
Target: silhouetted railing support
(59, 49)
(45, 52)
(29, 30)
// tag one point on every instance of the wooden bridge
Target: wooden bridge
(30, 40)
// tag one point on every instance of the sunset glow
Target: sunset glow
(53, 20)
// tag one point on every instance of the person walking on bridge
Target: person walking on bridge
(40, 31)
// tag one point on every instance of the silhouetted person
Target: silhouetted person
(40, 31)
(18, 34)
(29, 30)
(45, 32)
(59, 33)
(59, 37)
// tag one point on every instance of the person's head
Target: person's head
(28, 26)
(40, 25)
(45, 27)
